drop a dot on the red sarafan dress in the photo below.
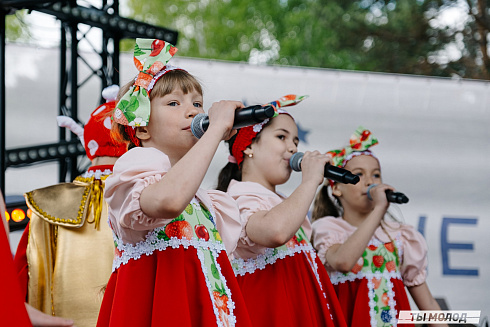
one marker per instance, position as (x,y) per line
(169,272)
(373,292)
(284,286)
(12,308)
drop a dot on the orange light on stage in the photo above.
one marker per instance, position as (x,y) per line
(7,215)
(29,213)
(18,215)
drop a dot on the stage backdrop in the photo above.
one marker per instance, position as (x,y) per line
(433,143)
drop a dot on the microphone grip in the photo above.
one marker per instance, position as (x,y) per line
(396,197)
(393,197)
(340,175)
(334,173)
(252,115)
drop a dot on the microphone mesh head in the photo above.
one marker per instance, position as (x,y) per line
(295,161)
(196,126)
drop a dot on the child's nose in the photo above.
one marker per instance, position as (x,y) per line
(192,111)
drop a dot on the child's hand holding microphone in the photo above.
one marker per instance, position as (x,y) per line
(391,195)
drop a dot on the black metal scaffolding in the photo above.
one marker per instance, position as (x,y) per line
(114,28)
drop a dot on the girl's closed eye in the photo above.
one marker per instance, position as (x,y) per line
(281,137)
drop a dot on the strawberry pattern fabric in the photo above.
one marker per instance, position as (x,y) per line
(169,271)
(150,58)
(360,141)
(379,265)
(195,227)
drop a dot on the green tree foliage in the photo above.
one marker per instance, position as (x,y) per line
(15,27)
(398,36)
(469,39)
(387,36)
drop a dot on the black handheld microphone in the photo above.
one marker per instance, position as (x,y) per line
(243,117)
(334,173)
(395,197)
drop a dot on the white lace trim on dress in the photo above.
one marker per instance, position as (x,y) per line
(153,243)
(242,267)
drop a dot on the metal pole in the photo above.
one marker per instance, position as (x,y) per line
(74,90)
(115,55)
(104,71)
(3,109)
(62,98)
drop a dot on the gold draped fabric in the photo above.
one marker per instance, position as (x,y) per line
(70,250)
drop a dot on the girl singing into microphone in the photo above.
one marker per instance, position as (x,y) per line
(171,267)
(370,260)
(283,282)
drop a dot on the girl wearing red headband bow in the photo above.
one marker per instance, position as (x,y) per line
(281,278)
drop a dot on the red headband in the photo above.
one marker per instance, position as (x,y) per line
(243,139)
(245,135)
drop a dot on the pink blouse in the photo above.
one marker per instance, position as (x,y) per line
(251,198)
(328,231)
(140,167)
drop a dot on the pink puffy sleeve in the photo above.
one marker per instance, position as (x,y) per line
(414,262)
(250,204)
(328,231)
(133,172)
(228,219)
(251,198)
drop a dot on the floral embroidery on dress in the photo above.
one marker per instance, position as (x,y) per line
(378,264)
(196,228)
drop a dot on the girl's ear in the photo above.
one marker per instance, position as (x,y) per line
(248,151)
(142,133)
(336,191)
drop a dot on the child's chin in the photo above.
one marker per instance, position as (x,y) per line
(284,179)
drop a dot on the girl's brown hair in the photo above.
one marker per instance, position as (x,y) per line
(165,85)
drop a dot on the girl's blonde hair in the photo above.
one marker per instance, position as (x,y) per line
(173,79)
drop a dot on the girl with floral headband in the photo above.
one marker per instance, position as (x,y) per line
(281,278)
(370,260)
(171,266)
